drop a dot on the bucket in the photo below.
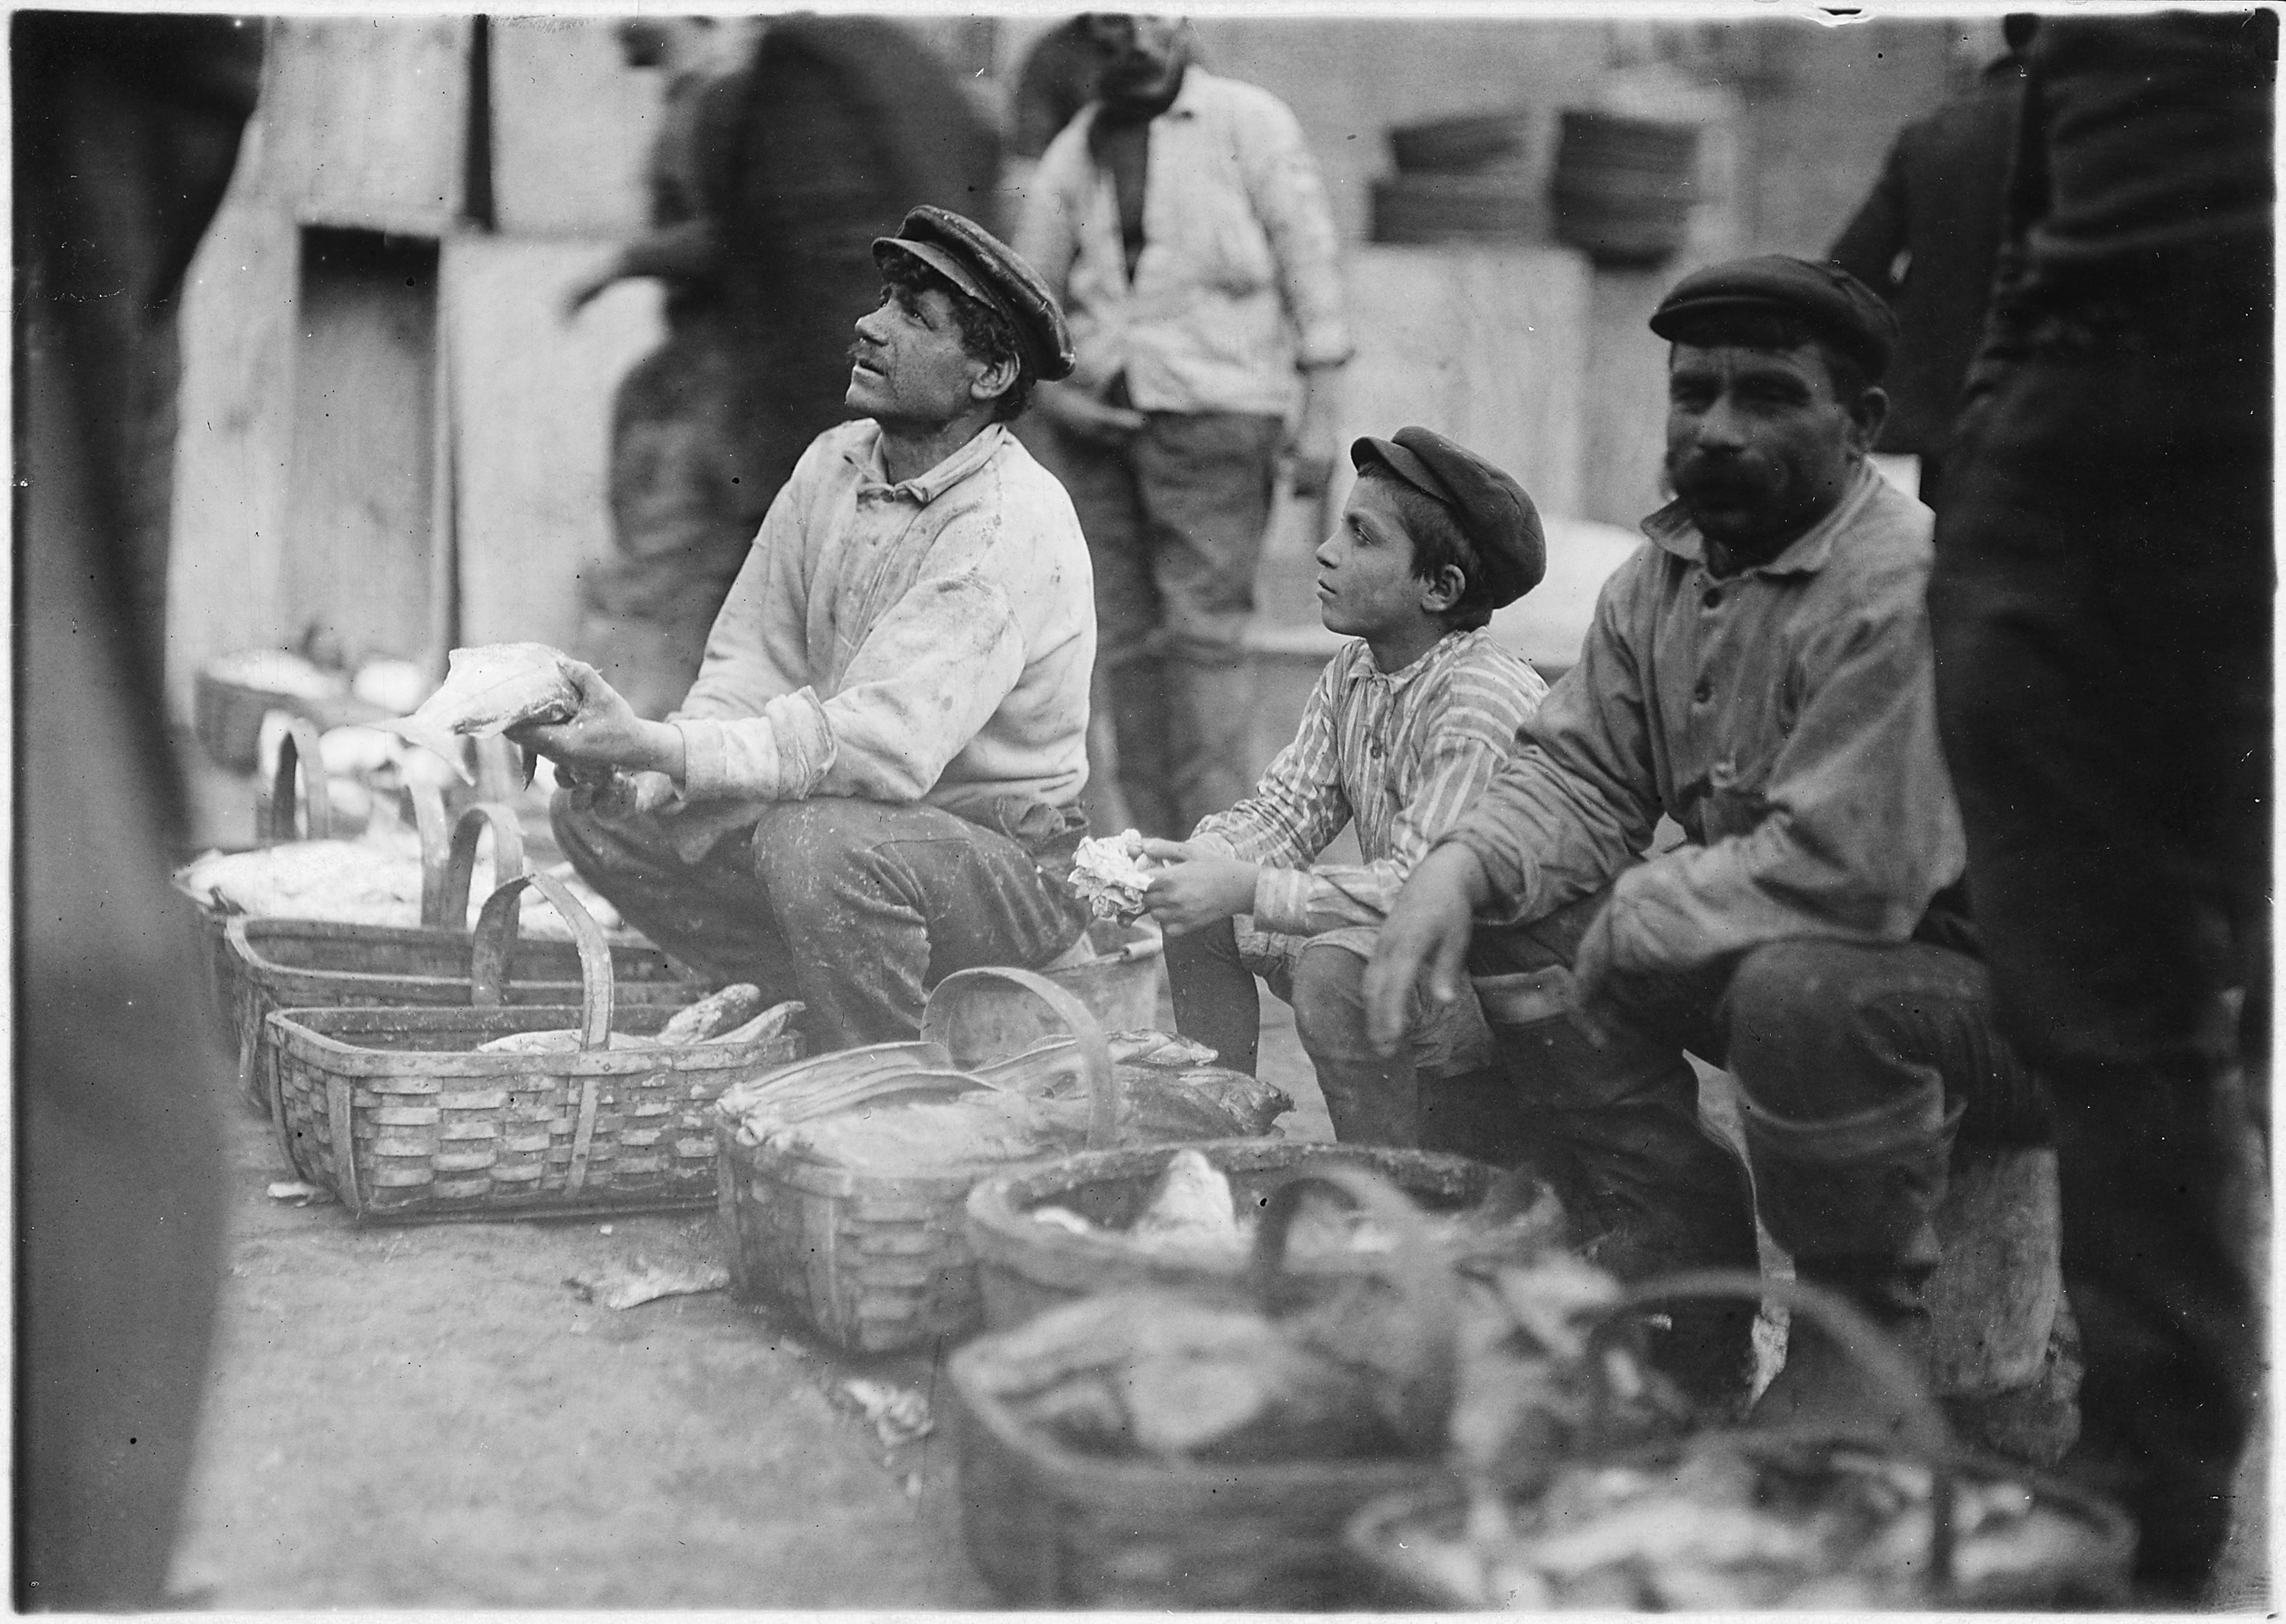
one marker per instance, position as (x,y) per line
(1120,986)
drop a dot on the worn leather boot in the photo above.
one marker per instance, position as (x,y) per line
(1823,1387)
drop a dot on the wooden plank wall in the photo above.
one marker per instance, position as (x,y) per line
(555,174)
(368,117)
(531,401)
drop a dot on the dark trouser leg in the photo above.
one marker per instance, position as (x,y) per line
(1130,676)
(713,914)
(1616,1130)
(1854,1063)
(1370,1097)
(1205,481)
(1216,1001)
(2101,613)
(880,903)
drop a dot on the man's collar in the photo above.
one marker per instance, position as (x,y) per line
(1671,529)
(1186,104)
(924,488)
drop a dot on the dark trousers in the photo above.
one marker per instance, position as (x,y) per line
(2102,611)
(1174,520)
(855,907)
(1856,1065)
(1372,1099)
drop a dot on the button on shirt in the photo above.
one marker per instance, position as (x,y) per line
(1239,281)
(926,640)
(1403,753)
(1784,717)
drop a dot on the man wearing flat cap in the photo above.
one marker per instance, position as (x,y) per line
(1759,673)
(1403,730)
(875,779)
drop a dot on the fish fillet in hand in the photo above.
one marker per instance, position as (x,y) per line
(490,690)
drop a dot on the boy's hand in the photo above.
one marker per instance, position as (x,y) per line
(1197,887)
(1423,944)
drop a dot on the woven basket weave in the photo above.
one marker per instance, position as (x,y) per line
(1049,1525)
(876,1261)
(1027,1267)
(323,964)
(1396,1537)
(392,1109)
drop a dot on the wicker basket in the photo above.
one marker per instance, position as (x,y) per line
(393,1110)
(1026,1266)
(1049,1525)
(1397,1537)
(323,964)
(226,716)
(274,824)
(878,1262)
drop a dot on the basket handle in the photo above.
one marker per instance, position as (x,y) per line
(446,877)
(488,955)
(1094,1049)
(1414,1267)
(273,803)
(1926,1436)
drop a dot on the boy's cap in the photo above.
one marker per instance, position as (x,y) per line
(1494,512)
(991,273)
(1838,307)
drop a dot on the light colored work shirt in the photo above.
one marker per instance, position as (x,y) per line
(1239,282)
(926,640)
(1402,752)
(1784,717)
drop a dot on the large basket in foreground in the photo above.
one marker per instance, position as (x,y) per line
(878,1261)
(1025,1266)
(393,1110)
(324,964)
(1417,1542)
(1050,1525)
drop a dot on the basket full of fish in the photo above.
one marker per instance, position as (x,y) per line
(843,1176)
(1740,1520)
(326,964)
(1170,1445)
(1185,1218)
(494,1110)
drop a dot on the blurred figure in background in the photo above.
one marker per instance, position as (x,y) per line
(126,130)
(1058,76)
(775,173)
(1926,241)
(1182,222)
(2101,608)
(684,496)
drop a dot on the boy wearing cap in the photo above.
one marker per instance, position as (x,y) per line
(874,780)
(1404,729)
(1759,671)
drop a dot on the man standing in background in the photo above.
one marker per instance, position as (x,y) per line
(1926,241)
(1181,221)
(2102,609)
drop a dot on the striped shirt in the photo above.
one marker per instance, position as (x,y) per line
(1401,752)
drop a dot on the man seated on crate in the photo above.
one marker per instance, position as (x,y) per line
(1404,729)
(875,779)
(1760,673)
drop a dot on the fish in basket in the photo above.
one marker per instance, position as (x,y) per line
(843,1177)
(1737,1519)
(330,963)
(1102,1220)
(493,1111)
(1162,1446)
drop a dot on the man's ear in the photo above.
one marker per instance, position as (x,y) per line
(1867,416)
(1441,592)
(998,378)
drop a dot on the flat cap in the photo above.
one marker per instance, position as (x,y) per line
(1494,512)
(1838,307)
(991,273)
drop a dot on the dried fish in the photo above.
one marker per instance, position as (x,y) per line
(717,1012)
(488,690)
(1111,875)
(1190,1206)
